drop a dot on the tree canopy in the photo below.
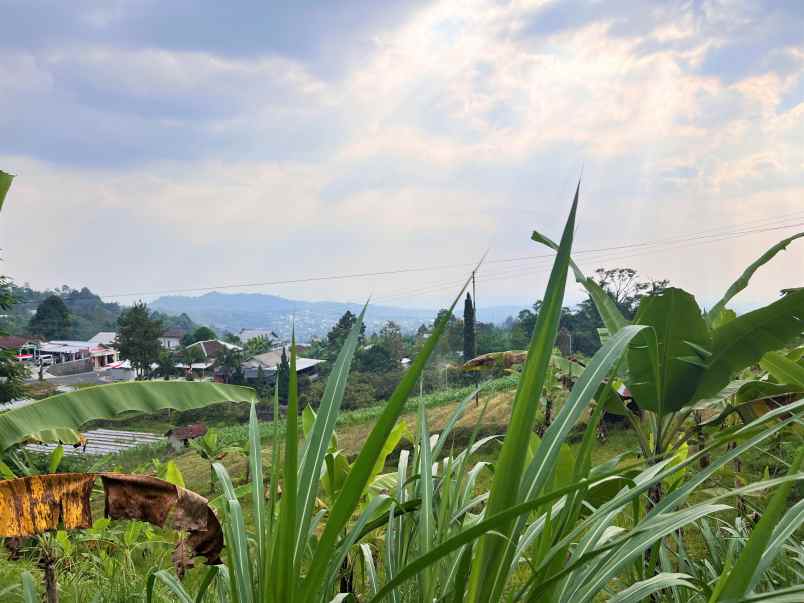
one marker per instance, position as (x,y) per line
(52,319)
(138,334)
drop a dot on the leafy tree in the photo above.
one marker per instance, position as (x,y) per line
(12,372)
(166,364)
(52,319)
(469,344)
(625,288)
(375,359)
(258,345)
(138,336)
(337,334)
(230,337)
(230,361)
(261,383)
(283,375)
(200,334)
(391,339)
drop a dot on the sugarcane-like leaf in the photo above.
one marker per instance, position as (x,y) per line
(321,432)
(510,467)
(5,184)
(735,584)
(741,283)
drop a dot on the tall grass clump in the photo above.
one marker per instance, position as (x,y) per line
(550,527)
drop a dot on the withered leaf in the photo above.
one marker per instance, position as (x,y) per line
(33,505)
(151,499)
(37,504)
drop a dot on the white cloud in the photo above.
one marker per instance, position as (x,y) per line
(456,130)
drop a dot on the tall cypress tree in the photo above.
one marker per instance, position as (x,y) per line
(469,346)
(283,375)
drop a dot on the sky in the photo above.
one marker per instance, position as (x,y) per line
(189,145)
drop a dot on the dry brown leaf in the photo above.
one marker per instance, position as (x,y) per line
(39,503)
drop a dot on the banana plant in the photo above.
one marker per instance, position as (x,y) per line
(689,357)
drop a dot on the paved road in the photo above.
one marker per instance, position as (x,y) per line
(90,377)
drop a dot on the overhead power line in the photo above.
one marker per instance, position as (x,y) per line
(715,234)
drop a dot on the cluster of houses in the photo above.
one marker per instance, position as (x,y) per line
(99,354)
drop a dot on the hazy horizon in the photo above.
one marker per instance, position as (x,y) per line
(187,146)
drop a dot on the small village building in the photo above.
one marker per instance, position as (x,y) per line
(171,338)
(269,362)
(64,351)
(212,348)
(179,437)
(25,349)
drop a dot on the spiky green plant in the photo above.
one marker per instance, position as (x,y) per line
(550,528)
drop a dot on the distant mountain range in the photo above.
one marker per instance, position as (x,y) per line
(236,311)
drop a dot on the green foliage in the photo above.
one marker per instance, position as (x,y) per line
(199,334)
(52,319)
(70,411)
(744,340)
(138,336)
(12,372)
(667,382)
(5,185)
(283,377)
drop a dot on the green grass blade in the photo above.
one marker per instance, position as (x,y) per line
(470,535)
(257,496)
(642,591)
(5,184)
(609,312)
(542,467)
(737,582)
(316,446)
(284,575)
(355,532)
(370,570)
(453,420)
(357,480)
(172,582)
(209,578)
(742,282)
(787,526)
(426,528)
(29,594)
(511,464)
(238,538)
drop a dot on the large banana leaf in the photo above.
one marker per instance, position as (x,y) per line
(608,310)
(5,184)
(783,369)
(744,340)
(677,322)
(742,282)
(72,410)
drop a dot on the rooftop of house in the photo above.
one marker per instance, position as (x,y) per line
(211,348)
(12,342)
(187,432)
(270,360)
(174,333)
(104,338)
